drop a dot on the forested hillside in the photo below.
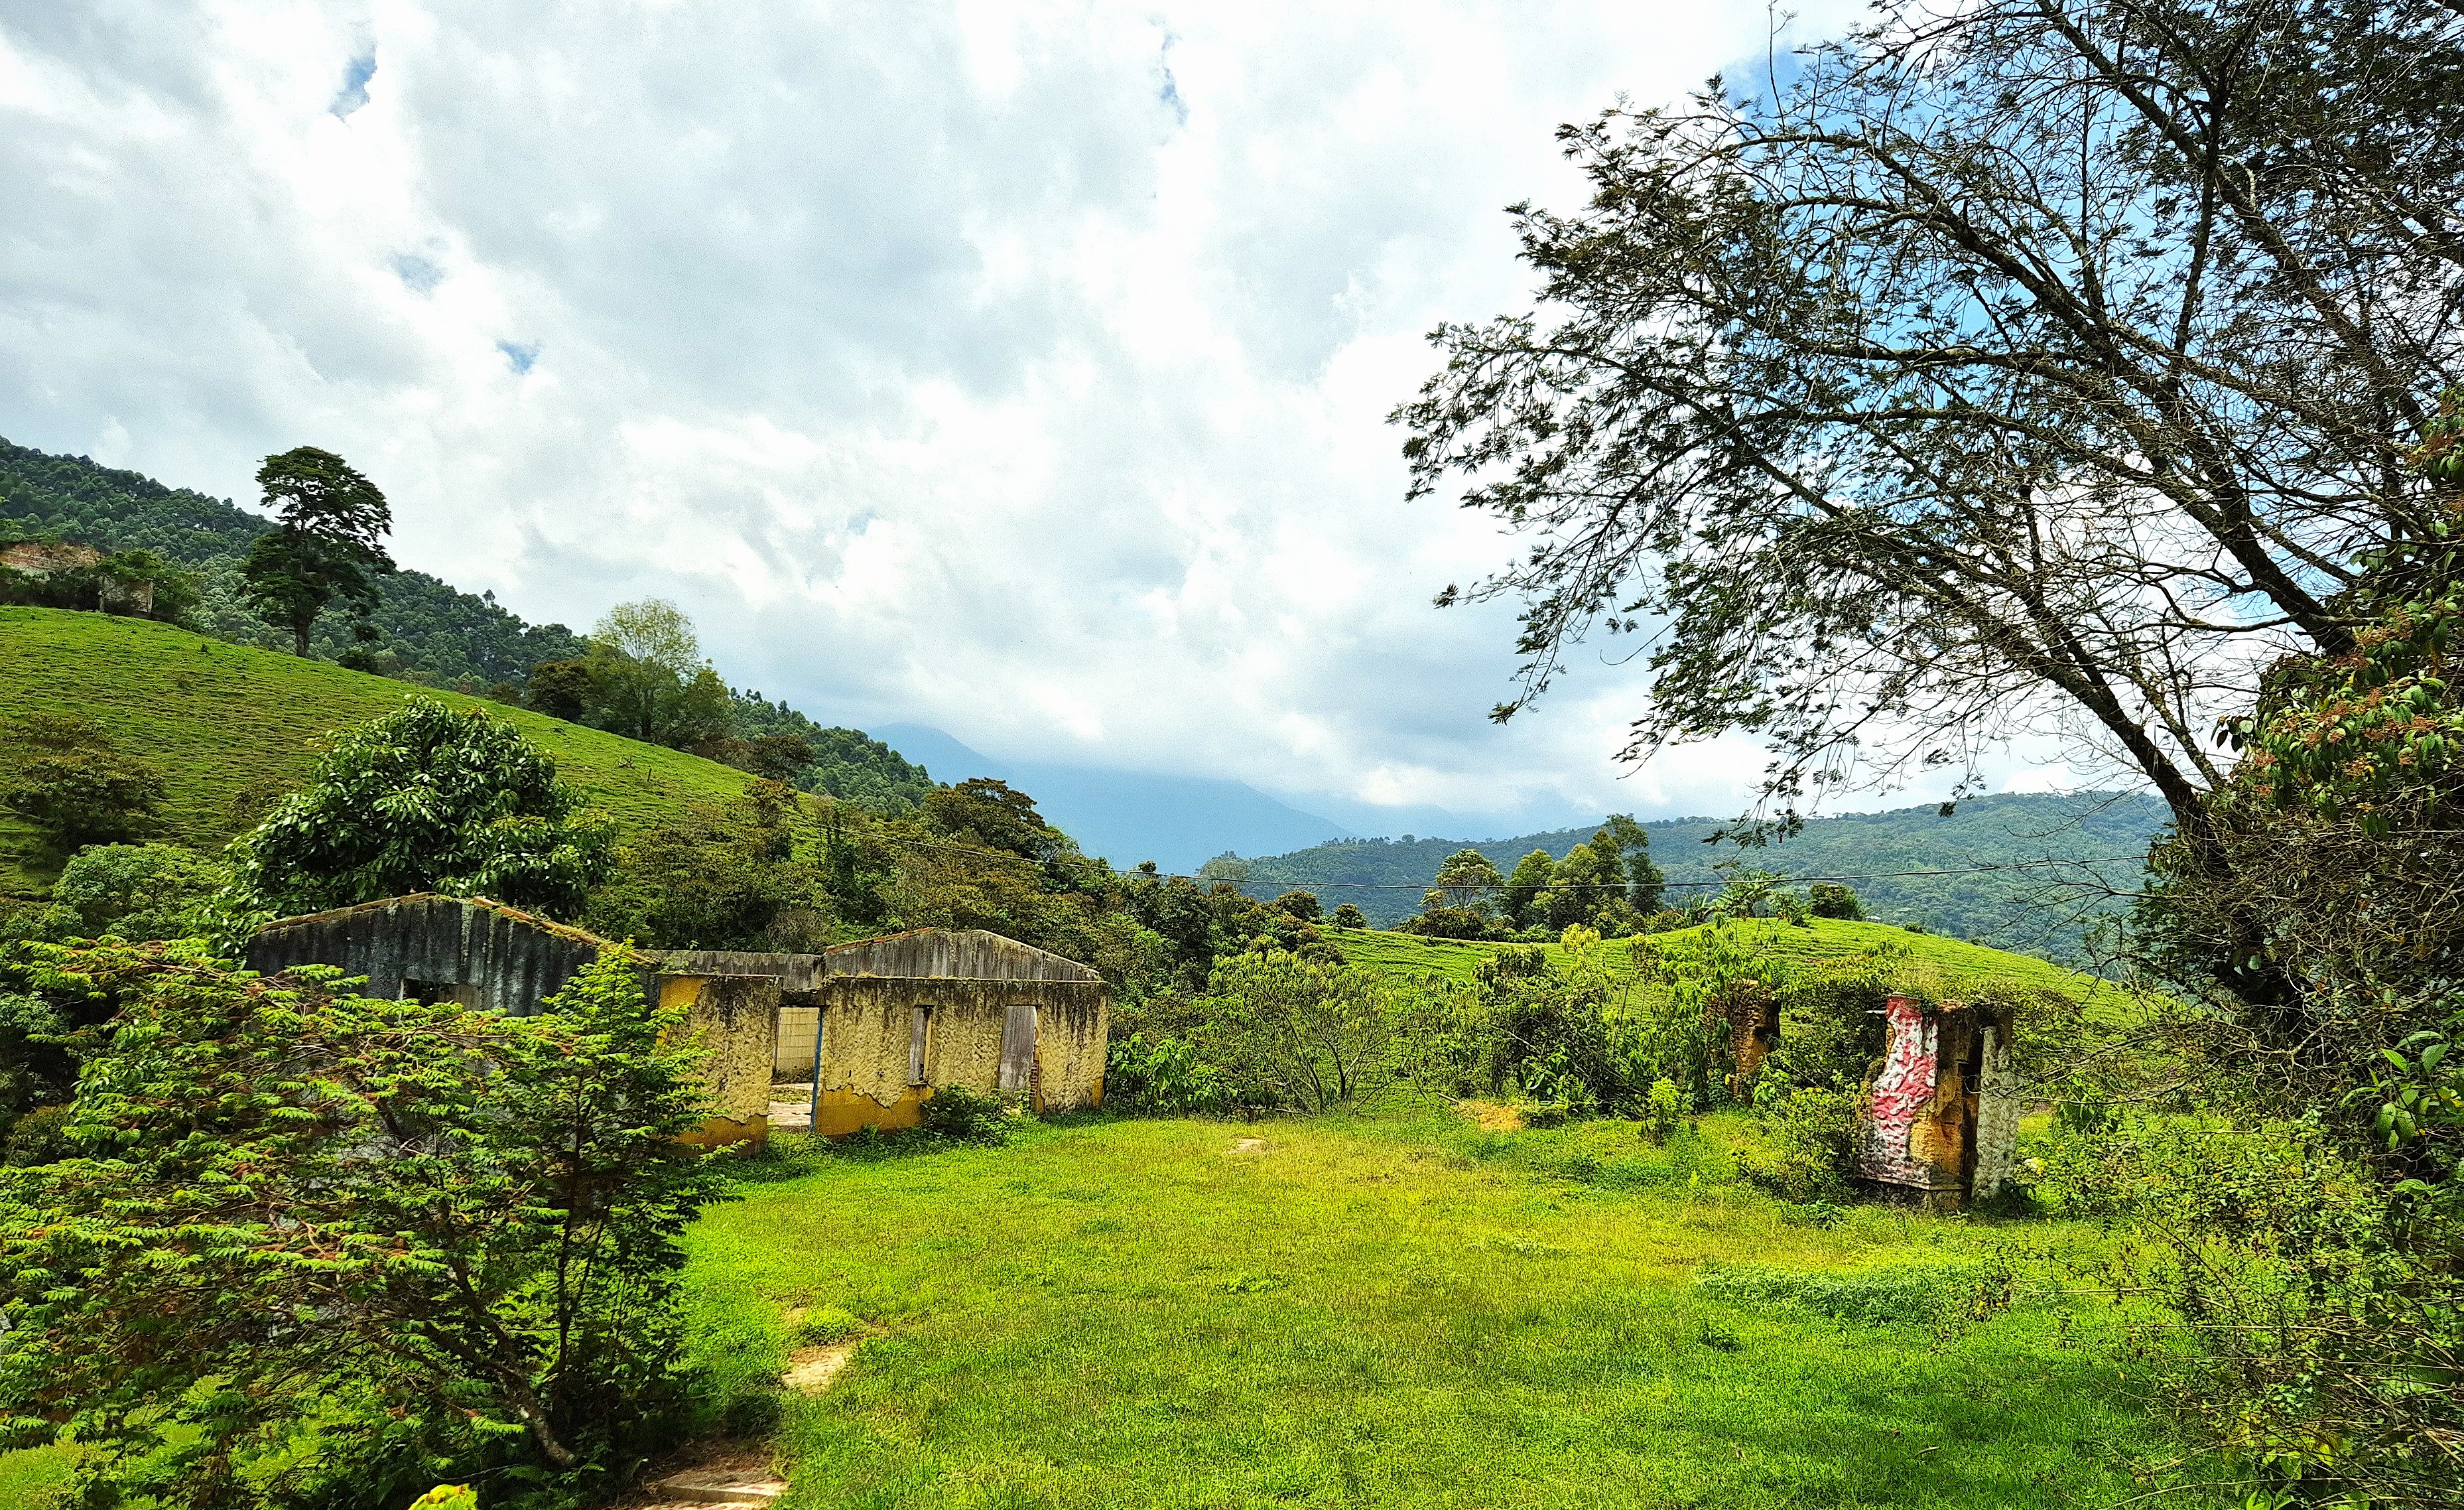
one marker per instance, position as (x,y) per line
(2098,839)
(429,628)
(431,632)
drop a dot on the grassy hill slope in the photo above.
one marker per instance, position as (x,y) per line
(218,720)
(1956,963)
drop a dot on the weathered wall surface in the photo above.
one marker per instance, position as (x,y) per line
(514,961)
(1070,1045)
(1997,1116)
(866,1033)
(1942,1116)
(732,1017)
(966,954)
(794,972)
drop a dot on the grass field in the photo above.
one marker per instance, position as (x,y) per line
(217,719)
(1139,1314)
(1954,963)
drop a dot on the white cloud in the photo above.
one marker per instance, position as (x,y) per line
(1020,369)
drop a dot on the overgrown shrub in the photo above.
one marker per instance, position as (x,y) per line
(959,1115)
(439,1243)
(63,775)
(1834,899)
(40,1137)
(141,891)
(1803,1152)
(1160,1075)
(424,798)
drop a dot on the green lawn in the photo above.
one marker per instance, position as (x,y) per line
(1956,963)
(215,718)
(1135,1314)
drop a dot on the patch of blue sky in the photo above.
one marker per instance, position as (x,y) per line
(522,356)
(417,274)
(354,92)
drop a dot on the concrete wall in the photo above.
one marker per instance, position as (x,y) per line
(1942,1116)
(508,960)
(966,954)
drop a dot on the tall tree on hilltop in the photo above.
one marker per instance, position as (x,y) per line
(330,546)
(649,680)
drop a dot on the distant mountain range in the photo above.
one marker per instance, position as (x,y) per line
(2001,891)
(1178,822)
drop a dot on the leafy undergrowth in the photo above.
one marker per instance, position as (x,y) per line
(1403,1312)
(217,720)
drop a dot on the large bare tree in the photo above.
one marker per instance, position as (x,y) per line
(2038,364)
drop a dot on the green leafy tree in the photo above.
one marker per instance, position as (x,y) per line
(142,890)
(1467,880)
(724,877)
(330,546)
(424,798)
(649,680)
(1834,899)
(1285,1032)
(1520,899)
(445,1241)
(1644,885)
(994,815)
(560,689)
(63,775)
(1586,880)
(1302,905)
(1348,915)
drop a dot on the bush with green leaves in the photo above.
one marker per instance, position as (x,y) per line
(141,891)
(317,1249)
(425,798)
(959,1115)
(1834,899)
(726,876)
(63,775)
(1161,1075)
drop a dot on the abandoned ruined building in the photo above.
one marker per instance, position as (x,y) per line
(885,1022)
(1941,1118)
(83,566)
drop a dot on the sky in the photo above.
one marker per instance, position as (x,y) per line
(1016,369)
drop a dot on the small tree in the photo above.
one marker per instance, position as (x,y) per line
(141,891)
(1286,1031)
(330,544)
(1348,915)
(560,689)
(443,1240)
(1303,905)
(425,798)
(63,776)
(1532,875)
(725,877)
(1465,882)
(1834,899)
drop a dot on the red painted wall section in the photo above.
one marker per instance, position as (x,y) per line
(1901,1094)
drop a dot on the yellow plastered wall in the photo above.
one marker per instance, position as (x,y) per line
(732,1017)
(866,1029)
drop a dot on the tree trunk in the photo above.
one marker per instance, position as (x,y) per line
(299,640)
